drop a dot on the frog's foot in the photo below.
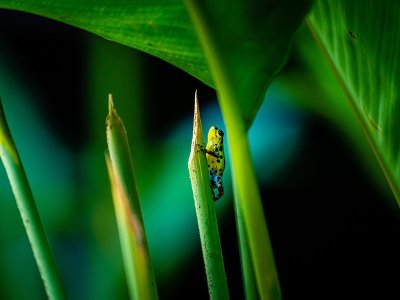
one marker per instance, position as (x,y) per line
(220,193)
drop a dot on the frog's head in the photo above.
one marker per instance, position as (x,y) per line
(216,135)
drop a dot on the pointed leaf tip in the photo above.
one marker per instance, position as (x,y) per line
(197,120)
(197,137)
(110,104)
(196,110)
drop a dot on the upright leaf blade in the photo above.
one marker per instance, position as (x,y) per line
(362,40)
(140,277)
(29,213)
(205,211)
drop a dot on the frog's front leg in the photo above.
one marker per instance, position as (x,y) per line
(201,148)
(214,153)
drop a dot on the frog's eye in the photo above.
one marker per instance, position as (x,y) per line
(221,133)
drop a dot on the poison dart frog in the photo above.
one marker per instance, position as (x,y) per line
(215,159)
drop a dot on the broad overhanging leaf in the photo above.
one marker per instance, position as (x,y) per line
(255,35)
(362,40)
(161,28)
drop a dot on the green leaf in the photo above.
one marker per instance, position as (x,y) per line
(160,28)
(205,211)
(362,41)
(138,268)
(29,212)
(312,69)
(255,35)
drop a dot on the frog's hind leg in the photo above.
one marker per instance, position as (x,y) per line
(216,182)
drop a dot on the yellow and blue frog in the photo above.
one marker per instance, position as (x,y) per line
(215,159)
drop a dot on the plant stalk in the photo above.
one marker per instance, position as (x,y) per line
(205,211)
(29,212)
(135,252)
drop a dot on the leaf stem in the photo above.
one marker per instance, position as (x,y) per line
(29,212)
(206,216)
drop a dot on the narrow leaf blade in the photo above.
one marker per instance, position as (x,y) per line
(29,212)
(206,215)
(140,277)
